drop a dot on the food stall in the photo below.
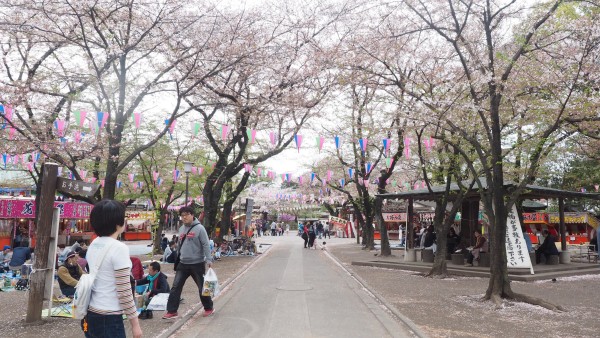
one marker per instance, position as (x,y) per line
(17,217)
(579,226)
(139,225)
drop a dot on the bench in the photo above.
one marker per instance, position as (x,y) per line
(552,259)
(458,259)
(427,256)
(484,259)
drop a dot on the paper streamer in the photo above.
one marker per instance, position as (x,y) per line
(337,142)
(298,139)
(320,142)
(363,144)
(77,136)
(251,135)
(224,131)
(137,120)
(195,129)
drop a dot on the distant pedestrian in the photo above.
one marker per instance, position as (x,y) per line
(287,229)
(320,229)
(326,232)
(312,234)
(194,259)
(305,235)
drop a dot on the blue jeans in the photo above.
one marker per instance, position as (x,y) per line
(104,326)
(196,271)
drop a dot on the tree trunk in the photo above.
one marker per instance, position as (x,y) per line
(370,243)
(110,180)
(441,226)
(226,218)
(386,250)
(499,285)
(158,230)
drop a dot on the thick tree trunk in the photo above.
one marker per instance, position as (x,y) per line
(386,250)
(439,268)
(226,219)
(499,285)
(370,243)
(110,180)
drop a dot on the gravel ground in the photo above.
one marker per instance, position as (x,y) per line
(14,306)
(452,307)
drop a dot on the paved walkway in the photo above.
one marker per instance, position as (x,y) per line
(296,292)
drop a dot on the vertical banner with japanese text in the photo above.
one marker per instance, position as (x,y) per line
(517,255)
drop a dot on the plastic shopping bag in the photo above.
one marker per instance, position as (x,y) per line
(211,284)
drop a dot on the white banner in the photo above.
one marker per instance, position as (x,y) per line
(517,255)
(394,216)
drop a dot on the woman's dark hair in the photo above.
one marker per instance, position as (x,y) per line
(82,253)
(106,216)
(155,266)
(62,246)
(189,210)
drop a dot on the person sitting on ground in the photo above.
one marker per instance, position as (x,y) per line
(164,242)
(81,260)
(69,274)
(5,257)
(480,246)
(20,256)
(156,282)
(137,270)
(170,253)
(548,248)
(61,254)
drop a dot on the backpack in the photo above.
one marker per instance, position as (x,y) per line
(83,289)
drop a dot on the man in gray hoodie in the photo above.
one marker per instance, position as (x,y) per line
(194,259)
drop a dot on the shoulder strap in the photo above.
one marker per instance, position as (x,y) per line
(94,269)
(183,240)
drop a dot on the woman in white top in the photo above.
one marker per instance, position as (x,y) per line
(111,292)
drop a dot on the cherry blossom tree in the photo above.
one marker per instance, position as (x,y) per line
(508,69)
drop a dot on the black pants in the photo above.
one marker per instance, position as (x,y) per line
(311,240)
(305,238)
(196,271)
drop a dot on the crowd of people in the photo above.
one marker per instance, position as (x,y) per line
(311,230)
(263,228)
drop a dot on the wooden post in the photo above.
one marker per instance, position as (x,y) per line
(43,233)
(562,228)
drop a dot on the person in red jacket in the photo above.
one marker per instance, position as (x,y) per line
(137,270)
